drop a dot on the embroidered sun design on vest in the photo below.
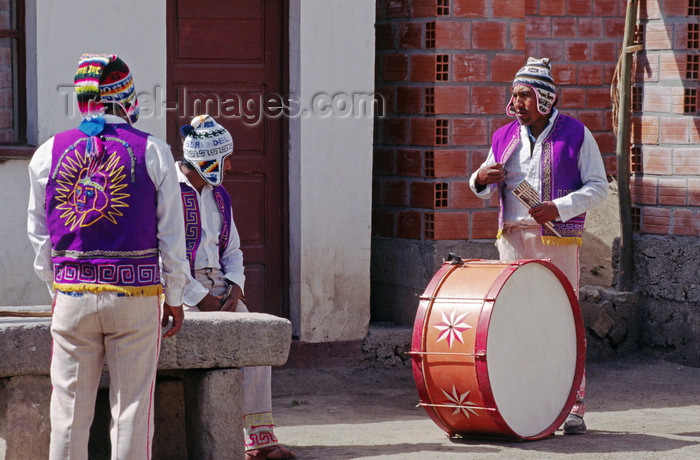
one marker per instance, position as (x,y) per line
(87,193)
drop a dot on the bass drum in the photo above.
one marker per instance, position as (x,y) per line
(498,348)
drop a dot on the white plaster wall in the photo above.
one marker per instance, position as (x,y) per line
(132,29)
(332,53)
(330,156)
(19,285)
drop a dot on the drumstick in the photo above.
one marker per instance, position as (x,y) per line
(529,197)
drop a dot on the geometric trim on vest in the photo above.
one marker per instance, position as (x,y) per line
(193,224)
(508,138)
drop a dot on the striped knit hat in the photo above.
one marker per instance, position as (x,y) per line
(206,146)
(104,78)
(537,74)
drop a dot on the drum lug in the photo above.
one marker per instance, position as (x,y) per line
(454,259)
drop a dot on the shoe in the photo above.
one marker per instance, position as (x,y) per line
(270,453)
(574,425)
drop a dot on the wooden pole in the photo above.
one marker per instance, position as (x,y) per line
(623,150)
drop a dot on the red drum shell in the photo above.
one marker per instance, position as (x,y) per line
(498,349)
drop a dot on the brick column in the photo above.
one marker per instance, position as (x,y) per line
(666,125)
(665,182)
(445,68)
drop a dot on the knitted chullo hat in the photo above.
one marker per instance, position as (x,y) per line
(206,146)
(537,74)
(105,78)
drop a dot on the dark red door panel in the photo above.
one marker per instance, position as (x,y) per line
(225,58)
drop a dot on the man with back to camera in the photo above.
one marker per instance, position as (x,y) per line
(558,156)
(103,205)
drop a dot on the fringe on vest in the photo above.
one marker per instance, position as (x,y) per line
(554,240)
(563,241)
(155,290)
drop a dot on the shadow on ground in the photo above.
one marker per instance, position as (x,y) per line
(638,407)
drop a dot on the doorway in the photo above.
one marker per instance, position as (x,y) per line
(229,59)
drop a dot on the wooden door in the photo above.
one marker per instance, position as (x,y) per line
(228,59)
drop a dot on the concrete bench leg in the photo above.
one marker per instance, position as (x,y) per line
(25,424)
(214,418)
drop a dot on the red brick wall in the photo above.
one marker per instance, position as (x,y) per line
(665,155)
(445,68)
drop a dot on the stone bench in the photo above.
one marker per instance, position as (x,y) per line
(198,410)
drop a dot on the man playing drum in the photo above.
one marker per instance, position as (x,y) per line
(559,158)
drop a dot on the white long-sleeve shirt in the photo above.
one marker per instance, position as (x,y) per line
(207,255)
(525,166)
(171,236)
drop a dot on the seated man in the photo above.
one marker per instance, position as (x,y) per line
(216,261)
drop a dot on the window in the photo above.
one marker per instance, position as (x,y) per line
(442,67)
(442,131)
(429,225)
(692,67)
(690,101)
(694,8)
(430,35)
(441,195)
(693,36)
(443,7)
(12,73)
(429,101)
(636,159)
(429,164)
(636,99)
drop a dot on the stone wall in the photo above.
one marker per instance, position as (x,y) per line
(612,322)
(402,268)
(665,273)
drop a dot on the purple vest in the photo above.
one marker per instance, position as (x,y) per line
(193,224)
(559,170)
(101,214)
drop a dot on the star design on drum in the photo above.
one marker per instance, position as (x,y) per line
(461,401)
(451,327)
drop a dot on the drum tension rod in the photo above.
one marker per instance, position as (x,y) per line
(460,299)
(478,355)
(455,406)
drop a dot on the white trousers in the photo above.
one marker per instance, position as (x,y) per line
(256,381)
(525,243)
(88,328)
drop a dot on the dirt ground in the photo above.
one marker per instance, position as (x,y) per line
(637,408)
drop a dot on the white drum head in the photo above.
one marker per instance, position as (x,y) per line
(531,349)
